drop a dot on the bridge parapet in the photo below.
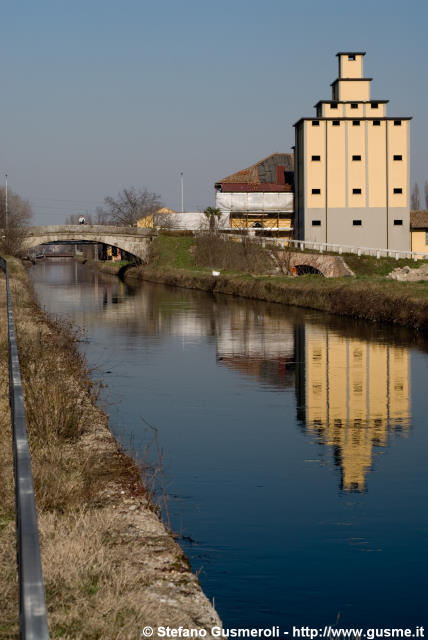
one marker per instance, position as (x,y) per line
(134,240)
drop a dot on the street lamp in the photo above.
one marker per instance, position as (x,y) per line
(5,200)
(182,191)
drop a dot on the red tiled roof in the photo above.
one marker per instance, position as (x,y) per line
(254,173)
(419,219)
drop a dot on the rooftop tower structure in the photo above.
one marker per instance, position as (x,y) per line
(352,167)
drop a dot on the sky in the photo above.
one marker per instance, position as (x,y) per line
(99,95)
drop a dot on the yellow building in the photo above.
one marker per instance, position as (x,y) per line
(155,219)
(352,181)
(353,394)
(419,230)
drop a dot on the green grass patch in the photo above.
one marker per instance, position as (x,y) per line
(173,251)
(371,266)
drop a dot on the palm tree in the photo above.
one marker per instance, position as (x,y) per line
(212,215)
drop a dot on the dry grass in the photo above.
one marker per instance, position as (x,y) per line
(372,299)
(110,566)
(221,252)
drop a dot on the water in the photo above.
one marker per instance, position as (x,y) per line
(294,444)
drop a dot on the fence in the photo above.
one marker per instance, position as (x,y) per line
(32,605)
(321,247)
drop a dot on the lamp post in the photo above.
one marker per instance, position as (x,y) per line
(5,200)
(182,191)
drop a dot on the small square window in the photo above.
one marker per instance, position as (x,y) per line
(316,158)
(357,223)
(356,157)
(398,157)
(351,57)
(376,123)
(355,123)
(398,223)
(315,123)
(397,123)
(336,123)
(316,191)
(398,190)
(333,105)
(316,223)
(354,105)
(356,191)
(375,105)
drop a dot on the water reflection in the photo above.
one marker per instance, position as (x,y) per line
(278,427)
(352,393)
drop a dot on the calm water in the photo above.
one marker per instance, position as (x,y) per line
(294,444)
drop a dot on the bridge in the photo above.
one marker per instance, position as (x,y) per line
(131,239)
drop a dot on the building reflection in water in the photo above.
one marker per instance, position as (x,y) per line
(351,393)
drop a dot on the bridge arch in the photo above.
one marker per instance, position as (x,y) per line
(306,269)
(133,240)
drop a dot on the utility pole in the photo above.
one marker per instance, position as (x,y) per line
(5,200)
(182,191)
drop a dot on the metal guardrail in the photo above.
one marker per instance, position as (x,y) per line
(32,605)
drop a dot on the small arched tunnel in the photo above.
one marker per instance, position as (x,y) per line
(306,269)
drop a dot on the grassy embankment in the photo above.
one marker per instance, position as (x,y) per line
(110,565)
(178,261)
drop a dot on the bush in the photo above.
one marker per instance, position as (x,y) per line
(221,252)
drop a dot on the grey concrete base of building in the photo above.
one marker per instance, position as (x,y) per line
(359,227)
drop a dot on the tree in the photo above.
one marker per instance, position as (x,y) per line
(131,205)
(13,220)
(212,215)
(426,193)
(415,203)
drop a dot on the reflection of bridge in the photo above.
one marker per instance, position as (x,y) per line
(131,239)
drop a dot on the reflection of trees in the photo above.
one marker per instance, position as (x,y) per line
(352,390)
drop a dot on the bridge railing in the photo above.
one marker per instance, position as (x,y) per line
(32,604)
(321,247)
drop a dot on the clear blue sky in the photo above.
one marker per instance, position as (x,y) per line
(100,95)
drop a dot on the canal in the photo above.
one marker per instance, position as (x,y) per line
(294,444)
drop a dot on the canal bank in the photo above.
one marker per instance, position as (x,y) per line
(374,300)
(110,565)
(251,271)
(293,443)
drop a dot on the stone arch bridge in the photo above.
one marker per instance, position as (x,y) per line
(134,240)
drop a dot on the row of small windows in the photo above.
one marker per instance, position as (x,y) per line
(356,158)
(355,123)
(354,105)
(357,190)
(359,223)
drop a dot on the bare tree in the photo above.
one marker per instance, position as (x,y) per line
(415,202)
(101,216)
(14,217)
(131,205)
(426,193)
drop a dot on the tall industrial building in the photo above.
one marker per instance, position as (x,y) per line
(352,167)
